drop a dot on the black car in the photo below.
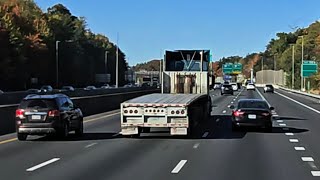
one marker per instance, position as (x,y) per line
(226,89)
(268,88)
(252,112)
(48,114)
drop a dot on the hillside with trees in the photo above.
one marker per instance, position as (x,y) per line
(28,39)
(278,54)
(153,65)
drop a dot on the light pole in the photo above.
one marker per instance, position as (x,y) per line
(292,78)
(117,63)
(57,61)
(262,70)
(274,69)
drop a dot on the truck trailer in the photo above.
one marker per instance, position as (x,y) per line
(184,100)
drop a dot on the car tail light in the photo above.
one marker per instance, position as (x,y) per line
(54,113)
(238,113)
(265,114)
(20,113)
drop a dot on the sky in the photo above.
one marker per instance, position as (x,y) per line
(226,27)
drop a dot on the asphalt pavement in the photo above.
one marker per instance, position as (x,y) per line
(290,151)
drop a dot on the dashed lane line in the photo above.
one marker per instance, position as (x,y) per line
(307,159)
(282,124)
(315,173)
(43,164)
(205,134)
(179,167)
(89,145)
(289,134)
(293,140)
(299,148)
(196,145)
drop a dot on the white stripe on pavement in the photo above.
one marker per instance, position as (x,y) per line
(43,164)
(179,167)
(299,148)
(289,134)
(279,121)
(196,146)
(282,124)
(307,159)
(293,140)
(205,134)
(89,145)
(315,173)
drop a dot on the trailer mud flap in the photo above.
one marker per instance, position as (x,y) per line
(129,130)
(178,131)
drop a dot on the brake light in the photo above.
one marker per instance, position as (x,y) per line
(54,113)
(238,113)
(265,114)
(20,113)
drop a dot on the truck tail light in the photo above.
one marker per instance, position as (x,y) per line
(182,112)
(130,111)
(125,111)
(54,113)
(172,112)
(136,111)
(20,113)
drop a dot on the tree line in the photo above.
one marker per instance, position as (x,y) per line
(28,39)
(278,55)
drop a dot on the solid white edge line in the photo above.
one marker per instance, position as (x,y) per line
(308,107)
(289,134)
(299,148)
(307,159)
(179,166)
(43,164)
(205,134)
(293,140)
(315,173)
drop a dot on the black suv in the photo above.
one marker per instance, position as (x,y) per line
(47,114)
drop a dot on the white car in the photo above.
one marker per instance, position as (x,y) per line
(234,87)
(251,86)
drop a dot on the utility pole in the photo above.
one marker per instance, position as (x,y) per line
(57,61)
(302,55)
(274,69)
(106,61)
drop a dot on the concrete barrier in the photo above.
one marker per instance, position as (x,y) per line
(90,104)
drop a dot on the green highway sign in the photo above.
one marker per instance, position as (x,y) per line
(308,68)
(237,68)
(227,68)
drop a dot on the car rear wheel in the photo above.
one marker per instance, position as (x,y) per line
(64,131)
(22,137)
(79,131)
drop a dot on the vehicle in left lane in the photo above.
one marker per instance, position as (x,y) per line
(252,112)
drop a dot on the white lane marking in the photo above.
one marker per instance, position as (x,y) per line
(179,167)
(289,134)
(299,148)
(234,99)
(229,106)
(315,173)
(205,134)
(89,145)
(263,97)
(285,129)
(308,107)
(282,124)
(196,146)
(275,115)
(307,159)
(218,120)
(293,140)
(43,164)
(231,102)
(279,121)
(224,111)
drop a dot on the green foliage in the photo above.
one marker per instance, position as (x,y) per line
(28,37)
(153,65)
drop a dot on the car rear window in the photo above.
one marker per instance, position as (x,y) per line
(38,104)
(253,104)
(270,86)
(226,85)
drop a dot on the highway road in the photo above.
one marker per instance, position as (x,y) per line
(291,151)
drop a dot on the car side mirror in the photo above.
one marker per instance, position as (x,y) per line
(232,107)
(271,108)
